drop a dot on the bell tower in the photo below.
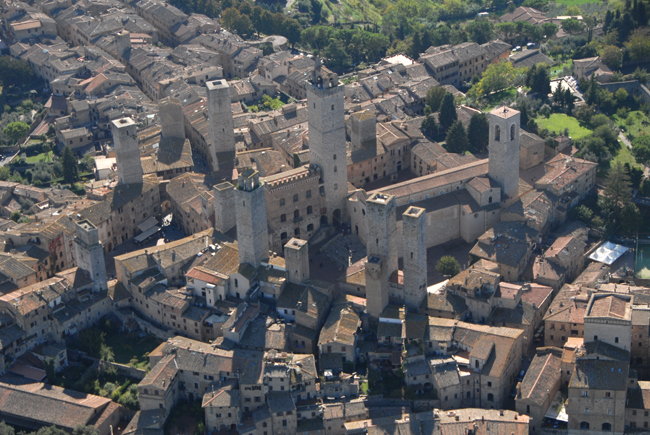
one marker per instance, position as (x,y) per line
(504,150)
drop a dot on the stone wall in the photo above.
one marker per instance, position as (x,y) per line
(632,87)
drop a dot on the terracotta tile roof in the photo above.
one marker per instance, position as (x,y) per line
(542,376)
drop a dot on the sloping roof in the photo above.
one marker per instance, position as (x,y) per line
(542,376)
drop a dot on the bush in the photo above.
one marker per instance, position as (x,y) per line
(448,266)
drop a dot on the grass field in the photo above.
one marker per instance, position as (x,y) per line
(635,124)
(624,156)
(558,68)
(642,263)
(43,157)
(557,122)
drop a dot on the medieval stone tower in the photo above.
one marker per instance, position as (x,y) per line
(252,228)
(414,229)
(296,256)
(504,150)
(327,147)
(222,127)
(127,152)
(363,130)
(381,245)
(90,254)
(224,204)
(123,41)
(171,119)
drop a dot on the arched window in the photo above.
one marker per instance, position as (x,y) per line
(584,425)
(512,132)
(497,133)
(607,426)
(476,363)
(490,200)
(468,395)
(528,409)
(490,397)
(296,214)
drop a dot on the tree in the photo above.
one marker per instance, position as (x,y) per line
(457,141)
(496,77)
(538,79)
(572,26)
(434,97)
(638,46)
(612,56)
(429,126)
(16,131)
(447,112)
(14,72)
(621,95)
(480,31)
(573,11)
(569,100)
(550,30)
(581,213)
(641,148)
(478,132)
(448,266)
(617,188)
(631,218)
(15,216)
(507,30)
(5,429)
(85,430)
(70,166)
(106,353)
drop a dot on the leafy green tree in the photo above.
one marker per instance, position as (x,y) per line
(631,218)
(507,30)
(572,26)
(538,79)
(14,72)
(429,126)
(448,266)
(480,31)
(478,132)
(617,188)
(581,213)
(16,131)
(236,22)
(5,429)
(106,353)
(70,166)
(496,77)
(641,148)
(638,46)
(51,430)
(457,141)
(612,56)
(447,111)
(85,430)
(550,30)
(435,94)
(15,216)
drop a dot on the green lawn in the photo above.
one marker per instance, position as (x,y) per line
(557,122)
(131,349)
(633,125)
(43,157)
(556,70)
(493,100)
(624,156)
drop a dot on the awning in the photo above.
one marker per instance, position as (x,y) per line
(150,232)
(148,224)
(608,253)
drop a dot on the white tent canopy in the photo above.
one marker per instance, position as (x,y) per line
(608,253)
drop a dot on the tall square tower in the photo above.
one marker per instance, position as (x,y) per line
(296,256)
(327,145)
(89,253)
(252,227)
(381,245)
(127,152)
(504,150)
(222,126)
(414,229)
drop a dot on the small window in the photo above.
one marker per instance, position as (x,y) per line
(281,202)
(295,198)
(283,217)
(308,194)
(497,133)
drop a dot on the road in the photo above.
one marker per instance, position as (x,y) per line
(623,139)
